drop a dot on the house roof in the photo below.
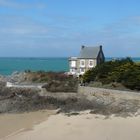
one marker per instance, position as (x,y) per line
(89,52)
(72,58)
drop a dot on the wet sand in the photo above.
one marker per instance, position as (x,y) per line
(83,127)
(11,124)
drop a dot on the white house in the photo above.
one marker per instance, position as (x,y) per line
(88,58)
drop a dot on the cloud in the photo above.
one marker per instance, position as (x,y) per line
(63,36)
(121,38)
(22,5)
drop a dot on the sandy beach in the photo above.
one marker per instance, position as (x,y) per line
(80,127)
(89,114)
(11,124)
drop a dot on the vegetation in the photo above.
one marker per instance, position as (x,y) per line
(59,82)
(61,86)
(42,76)
(123,71)
(56,81)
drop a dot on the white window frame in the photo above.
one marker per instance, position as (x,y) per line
(82,72)
(73,71)
(73,63)
(91,66)
(82,61)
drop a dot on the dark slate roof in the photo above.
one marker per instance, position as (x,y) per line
(89,52)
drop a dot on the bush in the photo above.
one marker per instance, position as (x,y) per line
(69,85)
(131,78)
(123,71)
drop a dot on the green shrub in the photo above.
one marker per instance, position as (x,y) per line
(123,71)
(69,85)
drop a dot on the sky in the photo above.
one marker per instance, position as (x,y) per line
(58,28)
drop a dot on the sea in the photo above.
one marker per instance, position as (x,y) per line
(10,65)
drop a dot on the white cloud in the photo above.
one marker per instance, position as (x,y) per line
(22,5)
(119,39)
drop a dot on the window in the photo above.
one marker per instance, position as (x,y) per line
(82,70)
(73,63)
(82,63)
(72,70)
(90,62)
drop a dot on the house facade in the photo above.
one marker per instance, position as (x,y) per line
(88,58)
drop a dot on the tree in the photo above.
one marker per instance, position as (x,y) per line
(123,71)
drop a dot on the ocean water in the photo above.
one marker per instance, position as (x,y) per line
(10,65)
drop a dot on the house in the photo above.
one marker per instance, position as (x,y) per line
(88,58)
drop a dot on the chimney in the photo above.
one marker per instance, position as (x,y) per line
(82,47)
(101,47)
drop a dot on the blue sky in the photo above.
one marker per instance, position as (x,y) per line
(48,28)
